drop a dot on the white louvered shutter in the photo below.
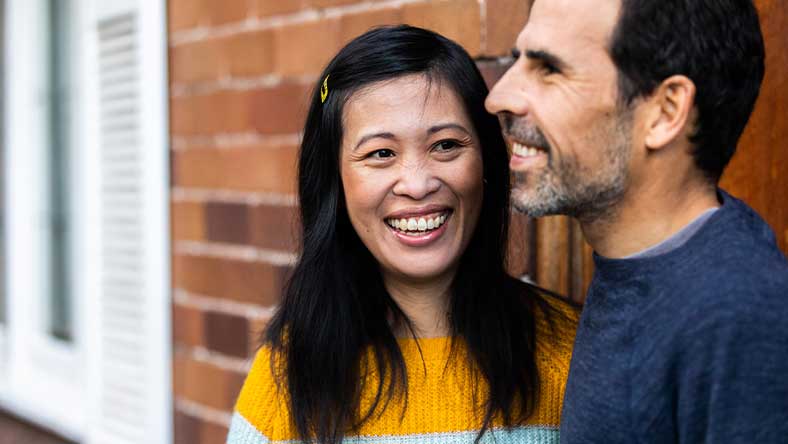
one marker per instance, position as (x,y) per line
(132,393)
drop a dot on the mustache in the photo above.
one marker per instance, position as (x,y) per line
(519,129)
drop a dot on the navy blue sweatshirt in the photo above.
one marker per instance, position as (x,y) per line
(690,346)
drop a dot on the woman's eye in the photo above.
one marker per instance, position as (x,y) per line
(381,154)
(446,145)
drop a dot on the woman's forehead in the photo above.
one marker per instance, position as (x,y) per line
(407,102)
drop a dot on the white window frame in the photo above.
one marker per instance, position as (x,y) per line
(47,381)
(38,366)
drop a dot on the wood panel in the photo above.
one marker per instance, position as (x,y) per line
(758,172)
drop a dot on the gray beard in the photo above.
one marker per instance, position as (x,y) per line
(586,203)
(568,189)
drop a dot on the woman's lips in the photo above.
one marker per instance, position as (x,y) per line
(419,232)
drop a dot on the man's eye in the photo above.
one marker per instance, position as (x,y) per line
(549,68)
(381,154)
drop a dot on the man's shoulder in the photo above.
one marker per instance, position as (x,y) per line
(726,286)
(736,278)
(737,259)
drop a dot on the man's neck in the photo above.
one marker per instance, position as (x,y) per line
(642,220)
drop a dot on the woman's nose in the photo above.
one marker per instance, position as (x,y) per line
(416,181)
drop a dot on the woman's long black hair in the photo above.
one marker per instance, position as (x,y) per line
(336,309)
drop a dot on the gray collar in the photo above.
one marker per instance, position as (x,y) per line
(677,240)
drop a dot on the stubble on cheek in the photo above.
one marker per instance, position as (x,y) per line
(566,187)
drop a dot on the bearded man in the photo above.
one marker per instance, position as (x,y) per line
(624,114)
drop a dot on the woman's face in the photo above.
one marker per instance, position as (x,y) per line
(411,167)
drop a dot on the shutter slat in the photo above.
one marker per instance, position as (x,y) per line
(123,394)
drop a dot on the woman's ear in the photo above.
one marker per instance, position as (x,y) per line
(670,112)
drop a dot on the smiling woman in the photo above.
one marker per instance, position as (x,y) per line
(399,323)
(413,186)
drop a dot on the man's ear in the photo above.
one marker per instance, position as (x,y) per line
(670,112)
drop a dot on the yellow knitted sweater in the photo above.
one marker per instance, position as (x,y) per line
(440,402)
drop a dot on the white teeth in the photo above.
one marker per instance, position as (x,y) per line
(417,224)
(524,151)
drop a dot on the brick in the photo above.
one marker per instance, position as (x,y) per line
(187,428)
(242,281)
(192,430)
(458,20)
(353,25)
(187,326)
(277,110)
(270,169)
(211,433)
(505,20)
(219,112)
(187,14)
(280,110)
(327,3)
(246,54)
(266,8)
(305,48)
(227,11)
(274,227)
(188,221)
(205,383)
(183,14)
(256,330)
(249,54)
(197,61)
(227,334)
(227,222)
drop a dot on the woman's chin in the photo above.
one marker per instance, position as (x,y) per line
(417,272)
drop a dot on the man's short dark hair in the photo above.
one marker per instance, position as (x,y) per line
(716,43)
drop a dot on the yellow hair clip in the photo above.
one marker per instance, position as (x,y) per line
(324,90)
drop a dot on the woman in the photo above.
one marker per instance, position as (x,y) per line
(399,323)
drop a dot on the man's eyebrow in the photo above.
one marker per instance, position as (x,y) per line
(545,57)
(368,137)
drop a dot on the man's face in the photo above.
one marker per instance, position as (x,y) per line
(559,109)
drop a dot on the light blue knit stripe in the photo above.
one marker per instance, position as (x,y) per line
(243,432)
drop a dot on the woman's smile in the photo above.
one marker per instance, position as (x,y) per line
(419,230)
(413,185)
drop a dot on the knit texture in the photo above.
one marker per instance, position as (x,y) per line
(441,406)
(690,346)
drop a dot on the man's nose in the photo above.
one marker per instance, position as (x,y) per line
(416,181)
(508,95)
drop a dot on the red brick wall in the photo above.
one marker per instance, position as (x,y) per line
(239,74)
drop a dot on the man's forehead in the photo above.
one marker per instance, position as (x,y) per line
(569,22)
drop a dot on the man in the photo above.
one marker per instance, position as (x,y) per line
(623,114)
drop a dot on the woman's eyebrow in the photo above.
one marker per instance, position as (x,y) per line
(441,127)
(368,137)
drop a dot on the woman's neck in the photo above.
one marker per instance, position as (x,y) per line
(425,303)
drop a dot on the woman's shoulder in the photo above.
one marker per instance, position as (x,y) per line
(261,411)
